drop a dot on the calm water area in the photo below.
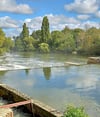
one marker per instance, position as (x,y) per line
(46,78)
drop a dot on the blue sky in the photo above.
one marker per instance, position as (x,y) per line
(61,13)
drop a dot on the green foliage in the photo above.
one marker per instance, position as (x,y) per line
(45,33)
(67,40)
(44,47)
(28,43)
(6,44)
(25,42)
(36,35)
(56,38)
(63,41)
(25,31)
(19,44)
(75,112)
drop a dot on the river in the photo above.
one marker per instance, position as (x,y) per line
(45,78)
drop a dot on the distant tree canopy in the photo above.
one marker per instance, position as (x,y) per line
(6,44)
(67,40)
(24,42)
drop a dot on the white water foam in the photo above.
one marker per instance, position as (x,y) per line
(14,62)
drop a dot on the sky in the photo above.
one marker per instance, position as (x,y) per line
(71,13)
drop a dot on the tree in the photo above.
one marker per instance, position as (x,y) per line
(78,37)
(29,41)
(36,35)
(19,44)
(68,43)
(25,31)
(63,40)
(8,44)
(44,47)
(56,38)
(2,40)
(25,42)
(45,33)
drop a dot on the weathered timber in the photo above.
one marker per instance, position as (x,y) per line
(37,108)
(16,104)
(6,112)
(75,64)
(93,60)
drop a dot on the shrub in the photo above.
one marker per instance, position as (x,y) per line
(72,111)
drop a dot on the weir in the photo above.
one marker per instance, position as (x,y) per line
(37,108)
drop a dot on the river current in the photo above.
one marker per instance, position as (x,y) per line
(46,78)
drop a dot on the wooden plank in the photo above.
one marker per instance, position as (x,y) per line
(72,63)
(16,104)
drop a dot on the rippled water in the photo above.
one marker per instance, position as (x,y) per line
(45,78)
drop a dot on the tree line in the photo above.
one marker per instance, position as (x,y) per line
(6,44)
(67,40)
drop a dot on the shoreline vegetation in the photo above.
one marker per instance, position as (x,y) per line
(74,41)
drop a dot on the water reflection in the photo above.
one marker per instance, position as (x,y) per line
(47,72)
(87,82)
(55,86)
(2,73)
(27,71)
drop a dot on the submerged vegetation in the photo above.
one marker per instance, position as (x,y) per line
(67,40)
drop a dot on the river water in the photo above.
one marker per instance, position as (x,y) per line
(45,78)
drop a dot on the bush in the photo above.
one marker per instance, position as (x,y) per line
(72,111)
(44,47)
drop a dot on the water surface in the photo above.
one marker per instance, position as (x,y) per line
(46,79)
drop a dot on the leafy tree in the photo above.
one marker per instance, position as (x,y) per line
(8,44)
(45,33)
(78,34)
(2,38)
(95,41)
(19,44)
(56,38)
(36,35)
(44,47)
(91,41)
(66,30)
(25,42)
(63,40)
(25,31)
(68,43)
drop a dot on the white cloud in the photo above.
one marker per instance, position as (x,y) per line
(83,17)
(83,6)
(35,23)
(58,22)
(98,14)
(12,6)
(89,24)
(7,22)
(55,21)
(88,82)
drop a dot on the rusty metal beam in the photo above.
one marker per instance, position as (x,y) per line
(16,104)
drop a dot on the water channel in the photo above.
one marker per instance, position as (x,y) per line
(44,77)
